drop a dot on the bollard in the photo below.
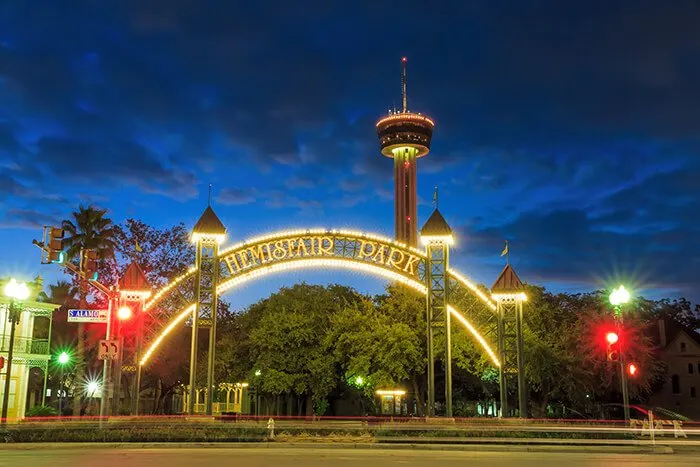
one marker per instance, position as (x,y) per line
(271,429)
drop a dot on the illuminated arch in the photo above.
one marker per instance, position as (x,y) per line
(343,249)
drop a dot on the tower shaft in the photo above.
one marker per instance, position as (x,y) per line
(405,195)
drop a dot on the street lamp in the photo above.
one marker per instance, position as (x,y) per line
(17,292)
(63,360)
(619,297)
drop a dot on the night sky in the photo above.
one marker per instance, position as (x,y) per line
(570,128)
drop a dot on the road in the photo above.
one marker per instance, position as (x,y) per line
(322,457)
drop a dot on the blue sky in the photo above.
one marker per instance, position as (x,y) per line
(569,128)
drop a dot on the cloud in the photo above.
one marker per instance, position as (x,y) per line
(27,219)
(123,161)
(553,129)
(296,181)
(642,236)
(235,196)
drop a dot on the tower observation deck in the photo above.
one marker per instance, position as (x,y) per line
(405,136)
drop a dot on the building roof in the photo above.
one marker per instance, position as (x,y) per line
(209,223)
(508,281)
(436,226)
(134,278)
(672,329)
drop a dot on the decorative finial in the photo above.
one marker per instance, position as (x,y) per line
(209,200)
(435,197)
(403,83)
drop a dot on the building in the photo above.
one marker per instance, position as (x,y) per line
(31,350)
(405,137)
(679,349)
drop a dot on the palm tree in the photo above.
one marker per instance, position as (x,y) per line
(91,230)
(88,230)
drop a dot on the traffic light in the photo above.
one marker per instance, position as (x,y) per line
(2,362)
(89,264)
(124,313)
(613,349)
(55,245)
(632,369)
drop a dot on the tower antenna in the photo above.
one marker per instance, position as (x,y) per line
(403,83)
(209,200)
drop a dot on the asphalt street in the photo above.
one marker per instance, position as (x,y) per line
(316,457)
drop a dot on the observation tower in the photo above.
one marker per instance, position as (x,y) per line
(405,136)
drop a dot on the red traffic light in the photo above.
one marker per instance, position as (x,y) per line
(124,313)
(612,337)
(632,369)
(2,362)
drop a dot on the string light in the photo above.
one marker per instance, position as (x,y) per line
(177,320)
(405,116)
(470,285)
(390,392)
(345,263)
(510,296)
(427,239)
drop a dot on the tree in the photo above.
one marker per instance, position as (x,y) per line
(89,229)
(288,344)
(163,254)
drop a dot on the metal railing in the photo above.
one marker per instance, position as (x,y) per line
(25,345)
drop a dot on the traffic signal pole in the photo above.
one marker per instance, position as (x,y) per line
(106,366)
(623,373)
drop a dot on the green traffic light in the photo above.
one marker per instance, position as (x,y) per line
(63,358)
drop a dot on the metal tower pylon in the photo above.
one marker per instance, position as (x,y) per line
(509,296)
(436,235)
(207,234)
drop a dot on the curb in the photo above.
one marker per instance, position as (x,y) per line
(367,446)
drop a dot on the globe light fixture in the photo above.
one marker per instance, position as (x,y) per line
(619,296)
(17,292)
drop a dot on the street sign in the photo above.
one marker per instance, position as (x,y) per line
(87,316)
(109,349)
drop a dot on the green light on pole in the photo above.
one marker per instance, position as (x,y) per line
(63,358)
(258,372)
(359,381)
(619,296)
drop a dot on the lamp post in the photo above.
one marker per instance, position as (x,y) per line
(619,297)
(63,359)
(17,292)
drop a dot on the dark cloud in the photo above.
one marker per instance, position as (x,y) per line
(235,196)
(27,219)
(122,161)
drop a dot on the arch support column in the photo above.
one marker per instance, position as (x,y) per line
(436,235)
(207,234)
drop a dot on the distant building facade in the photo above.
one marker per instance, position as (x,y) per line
(679,349)
(28,352)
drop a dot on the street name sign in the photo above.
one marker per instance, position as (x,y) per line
(87,316)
